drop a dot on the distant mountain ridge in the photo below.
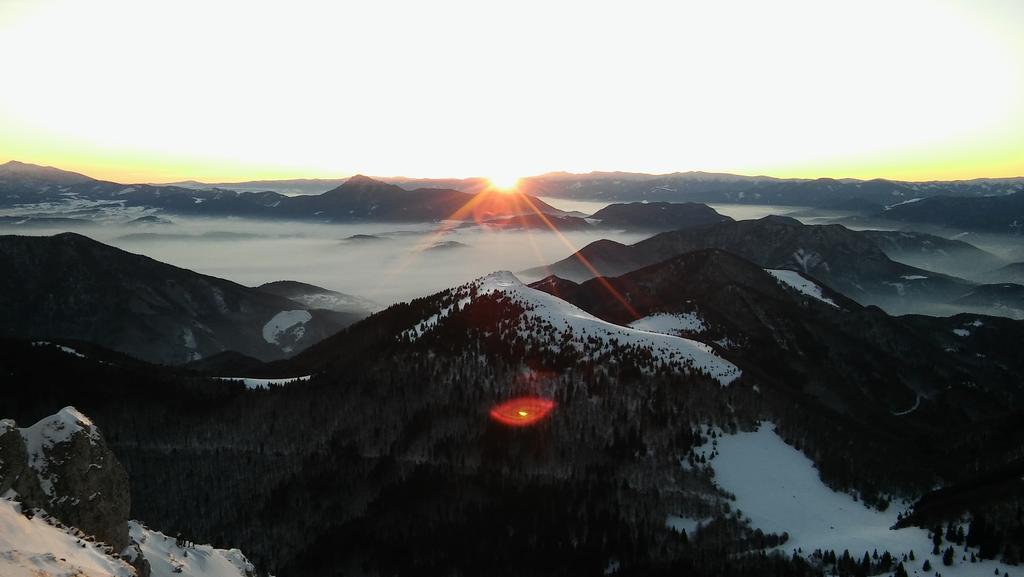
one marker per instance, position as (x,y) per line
(1003,213)
(657,216)
(866,195)
(72,287)
(22,184)
(357,198)
(843,259)
(934,253)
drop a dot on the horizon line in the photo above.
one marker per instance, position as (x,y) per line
(1019,176)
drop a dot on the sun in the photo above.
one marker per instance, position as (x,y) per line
(504,183)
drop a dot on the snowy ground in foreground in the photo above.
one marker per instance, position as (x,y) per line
(36,548)
(166,558)
(778,489)
(33,547)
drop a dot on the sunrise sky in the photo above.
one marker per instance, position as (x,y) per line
(224,90)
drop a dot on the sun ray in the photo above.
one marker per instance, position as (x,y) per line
(605,283)
(476,201)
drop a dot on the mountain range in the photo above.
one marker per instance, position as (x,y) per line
(846,260)
(358,198)
(989,205)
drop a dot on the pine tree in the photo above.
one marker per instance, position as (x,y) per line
(947,557)
(886,563)
(927,566)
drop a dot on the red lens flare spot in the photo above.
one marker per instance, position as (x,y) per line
(522,412)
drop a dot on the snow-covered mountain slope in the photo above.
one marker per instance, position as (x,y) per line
(37,546)
(168,556)
(553,324)
(801,284)
(778,489)
(671,323)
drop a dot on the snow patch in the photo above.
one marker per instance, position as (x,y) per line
(806,260)
(802,285)
(63,348)
(253,383)
(285,322)
(910,201)
(778,489)
(671,324)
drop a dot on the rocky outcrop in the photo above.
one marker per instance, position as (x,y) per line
(15,474)
(61,464)
(60,472)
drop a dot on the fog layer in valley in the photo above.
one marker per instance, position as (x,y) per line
(386,263)
(389,263)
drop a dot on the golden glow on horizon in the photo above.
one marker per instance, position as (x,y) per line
(915,90)
(506,183)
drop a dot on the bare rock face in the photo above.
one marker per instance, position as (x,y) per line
(133,555)
(15,474)
(61,464)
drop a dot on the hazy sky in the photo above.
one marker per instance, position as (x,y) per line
(223,90)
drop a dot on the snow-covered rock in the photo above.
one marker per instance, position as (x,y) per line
(64,511)
(69,471)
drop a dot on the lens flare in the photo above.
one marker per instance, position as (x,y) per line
(522,411)
(504,183)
